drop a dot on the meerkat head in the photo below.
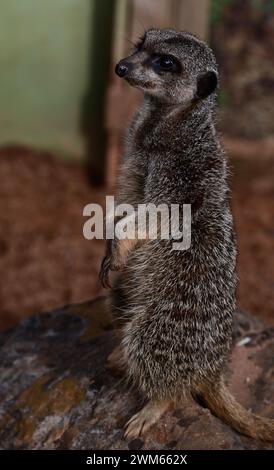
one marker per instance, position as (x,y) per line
(175,67)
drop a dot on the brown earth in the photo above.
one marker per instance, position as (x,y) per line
(45,262)
(253,209)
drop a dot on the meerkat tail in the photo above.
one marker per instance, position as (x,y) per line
(223,405)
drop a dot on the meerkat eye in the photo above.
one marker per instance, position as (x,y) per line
(165,63)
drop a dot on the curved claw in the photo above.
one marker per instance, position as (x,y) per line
(104,272)
(139,423)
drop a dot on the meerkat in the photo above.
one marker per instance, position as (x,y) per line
(174,309)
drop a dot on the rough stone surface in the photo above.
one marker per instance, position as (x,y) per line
(56,392)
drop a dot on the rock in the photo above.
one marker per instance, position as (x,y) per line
(56,393)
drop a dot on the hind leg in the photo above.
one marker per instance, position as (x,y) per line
(114,361)
(145,418)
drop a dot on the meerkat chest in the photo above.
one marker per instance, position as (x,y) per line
(135,136)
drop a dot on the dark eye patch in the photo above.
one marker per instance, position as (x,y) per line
(162,63)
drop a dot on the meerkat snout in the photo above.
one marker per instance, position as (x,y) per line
(122,69)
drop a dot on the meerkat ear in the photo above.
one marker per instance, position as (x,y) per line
(206,84)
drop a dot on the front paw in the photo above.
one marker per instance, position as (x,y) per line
(104,272)
(116,264)
(109,263)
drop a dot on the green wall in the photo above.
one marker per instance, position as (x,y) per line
(44,61)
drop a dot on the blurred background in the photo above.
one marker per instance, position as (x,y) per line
(62,115)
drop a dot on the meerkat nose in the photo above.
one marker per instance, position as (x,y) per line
(121,69)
